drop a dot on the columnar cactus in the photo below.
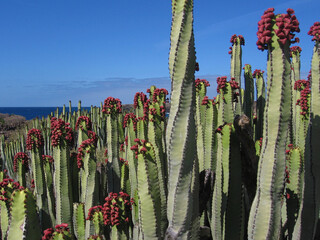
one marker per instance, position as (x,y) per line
(275,33)
(21,167)
(236,65)
(35,146)
(111,108)
(61,140)
(182,200)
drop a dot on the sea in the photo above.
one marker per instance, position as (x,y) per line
(33,112)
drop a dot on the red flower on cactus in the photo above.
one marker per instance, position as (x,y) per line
(257,73)
(87,146)
(23,158)
(112,106)
(234,39)
(139,96)
(92,211)
(48,234)
(47,158)
(7,186)
(286,25)
(295,50)
(117,209)
(305,92)
(201,82)
(62,228)
(60,131)
(159,93)
(315,31)
(222,81)
(130,117)
(34,139)
(83,121)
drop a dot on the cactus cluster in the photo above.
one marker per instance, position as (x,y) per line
(241,165)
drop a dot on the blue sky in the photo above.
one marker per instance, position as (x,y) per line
(55,51)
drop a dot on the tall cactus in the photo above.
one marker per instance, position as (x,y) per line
(61,140)
(236,66)
(35,146)
(265,214)
(182,198)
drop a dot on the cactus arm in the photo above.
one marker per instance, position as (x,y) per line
(24,221)
(79,221)
(50,190)
(4,219)
(181,143)
(236,67)
(149,196)
(261,101)
(248,93)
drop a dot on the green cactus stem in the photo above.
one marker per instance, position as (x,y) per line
(248,93)
(261,102)
(21,167)
(24,220)
(236,66)
(79,221)
(309,209)
(61,140)
(152,218)
(35,146)
(265,214)
(180,134)
(111,108)
(226,222)
(86,160)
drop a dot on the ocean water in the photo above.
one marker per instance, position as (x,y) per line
(33,112)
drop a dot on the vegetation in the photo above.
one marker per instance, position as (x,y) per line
(232,167)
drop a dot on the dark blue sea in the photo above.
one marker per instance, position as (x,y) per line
(33,112)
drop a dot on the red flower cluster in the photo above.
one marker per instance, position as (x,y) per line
(295,50)
(139,96)
(86,146)
(112,105)
(23,157)
(159,93)
(315,31)
(201,82)
(47,158)
(7,186)
(304,87)
(136,147)
(206,100)
(48,234)
(222,81)
(83,119)
(117,209)
(234,40)
(133,118)
(122,147)
(61,228)
(123,161)
(257,73)
(60,131)
(34,139)
(287,24)
(92,211)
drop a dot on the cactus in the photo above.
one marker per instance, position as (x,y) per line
(182,200)
(35,146)
(61,140)
(265,213)
(21,167)
(24,221)
(236,66)
(111,108)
